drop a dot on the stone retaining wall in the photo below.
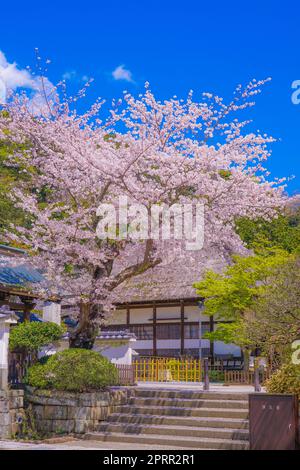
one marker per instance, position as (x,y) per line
(11,412)
(65,412)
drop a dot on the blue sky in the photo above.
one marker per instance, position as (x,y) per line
(176,46)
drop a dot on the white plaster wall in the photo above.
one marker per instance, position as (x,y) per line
(4,340)
(171,344)
(168,344)
(141,315)
(193,313)
(119,354)
(143,344)
(194,343)
(168,312)
(52,312)
(118,317)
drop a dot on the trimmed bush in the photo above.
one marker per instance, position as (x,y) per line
(32,336)
(73,370)
(285,380)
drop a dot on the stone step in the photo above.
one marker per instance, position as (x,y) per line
(221,433)
(190,394)
(188,402)
(234,423)
(174,441)
(177,411)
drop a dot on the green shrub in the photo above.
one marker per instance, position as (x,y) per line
(74,370)
(216,375)
(32,336)
(285,380)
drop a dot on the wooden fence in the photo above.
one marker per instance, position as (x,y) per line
(167,370)
(240,377)
(126,374)
(215,364)
(155,370)
(17,368)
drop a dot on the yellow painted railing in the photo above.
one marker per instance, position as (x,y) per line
(167,370)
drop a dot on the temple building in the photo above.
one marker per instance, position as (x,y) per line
(166,315)
(162,311)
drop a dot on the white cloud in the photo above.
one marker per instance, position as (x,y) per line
(11,78)
(120,73)
(72,75)
(43,92)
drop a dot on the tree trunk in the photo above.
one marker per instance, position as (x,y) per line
(246,356)
(86,330)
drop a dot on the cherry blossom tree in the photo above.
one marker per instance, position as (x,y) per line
(152,152)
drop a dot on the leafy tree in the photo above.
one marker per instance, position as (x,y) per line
(229,294)
(12,174)
(30,337)
(274,320)
(242,292)
(285,380)
(8,177)
(231,332)
(282,232)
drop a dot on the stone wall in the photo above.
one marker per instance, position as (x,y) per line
(11,412)
(65,412)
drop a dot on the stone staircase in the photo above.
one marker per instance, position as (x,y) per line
(179,419)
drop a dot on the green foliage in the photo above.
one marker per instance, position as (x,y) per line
(283,232)
(27,429)
(225,174)
(32,336)
(9,177)
(229,294)
(247,282)
(216,376)
(73,370)
(285,380)
(233,332)
(274,322)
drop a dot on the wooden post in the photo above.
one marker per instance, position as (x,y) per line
(154,331)
(127,316)
(182,327)
(257,386)
(211,346)
(206,376)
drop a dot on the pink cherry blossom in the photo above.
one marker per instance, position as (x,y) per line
(151,151)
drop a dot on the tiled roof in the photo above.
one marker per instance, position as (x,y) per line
(14,274)
(113,335)
(33,317)
(19,275)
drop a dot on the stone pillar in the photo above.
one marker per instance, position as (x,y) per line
(6,319)
(11,413)
(52,312)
